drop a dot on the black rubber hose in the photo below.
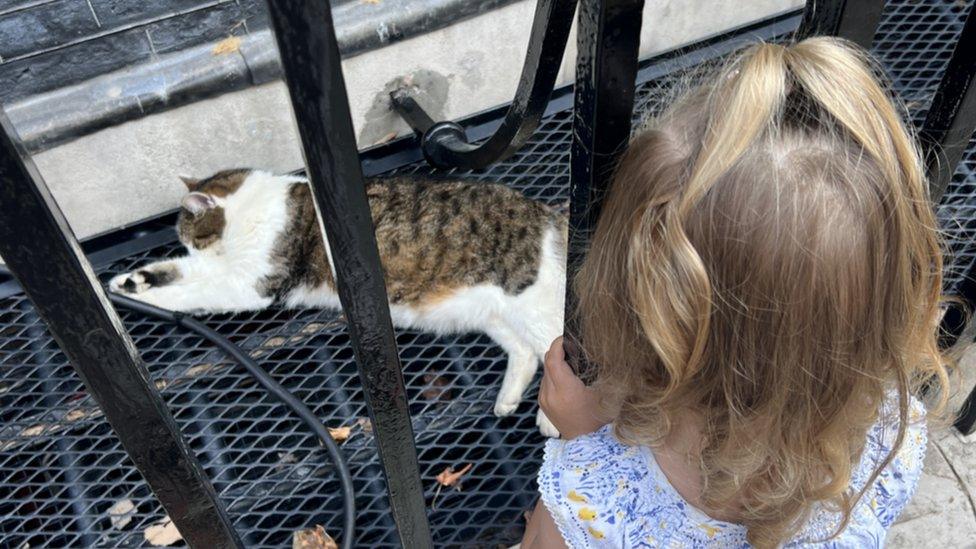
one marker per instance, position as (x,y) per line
(272,387)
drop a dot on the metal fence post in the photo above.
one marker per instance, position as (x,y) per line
(608,38)
(313,70)
(42,253)
(946,134)
(855,20)
(951,119)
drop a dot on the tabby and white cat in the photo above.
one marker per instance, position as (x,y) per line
(458,256)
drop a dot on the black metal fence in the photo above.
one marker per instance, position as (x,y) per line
(438,416)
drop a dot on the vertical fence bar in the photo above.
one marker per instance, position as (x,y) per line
(855,20)
(951,119)
(608,38)
(312,67)
(42,253)
(946,133)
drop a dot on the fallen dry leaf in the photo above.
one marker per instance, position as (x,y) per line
(340,434)
(449,477)
(227,45)
(312,328)
(34,430)
(198,370)
(365,424)
(313,538)
(162,533)
(386,138)
(121,513)
(78,414)
(370,1)
(161,384)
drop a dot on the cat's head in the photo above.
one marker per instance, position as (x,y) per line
(201,220)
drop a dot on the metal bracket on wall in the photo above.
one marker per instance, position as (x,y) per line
(445,144)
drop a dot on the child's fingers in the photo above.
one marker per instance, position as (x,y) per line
(556,368)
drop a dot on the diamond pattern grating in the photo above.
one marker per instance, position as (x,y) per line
(62,469)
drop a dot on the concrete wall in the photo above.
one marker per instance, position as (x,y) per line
(129,172)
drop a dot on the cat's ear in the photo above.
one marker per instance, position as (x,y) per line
(197,203)
(192,183)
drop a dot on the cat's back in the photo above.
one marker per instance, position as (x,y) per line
(450,233)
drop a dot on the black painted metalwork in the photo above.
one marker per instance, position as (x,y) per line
(313,70)
(445,144)
(608,39)
(42,253)
(952,117)
(946,134)
(855,20)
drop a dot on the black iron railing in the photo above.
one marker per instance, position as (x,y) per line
(43,254)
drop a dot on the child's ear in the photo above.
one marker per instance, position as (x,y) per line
(192,184)
(197,203)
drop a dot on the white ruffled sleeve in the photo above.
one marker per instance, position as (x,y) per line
(584,484)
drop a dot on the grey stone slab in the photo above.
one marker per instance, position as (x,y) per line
(45,26)
(207,25)
(940,515)
(115,13)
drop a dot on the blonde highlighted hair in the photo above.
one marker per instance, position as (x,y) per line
(767,259)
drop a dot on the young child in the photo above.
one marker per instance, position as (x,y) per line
(760,300)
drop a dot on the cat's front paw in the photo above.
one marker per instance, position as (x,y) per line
(129,283)
(503,408)
(545,426)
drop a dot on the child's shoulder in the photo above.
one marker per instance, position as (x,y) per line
(604,493)
(888,494)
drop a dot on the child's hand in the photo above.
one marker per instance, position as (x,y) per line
(571,406)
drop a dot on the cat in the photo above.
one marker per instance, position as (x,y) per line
(458,256)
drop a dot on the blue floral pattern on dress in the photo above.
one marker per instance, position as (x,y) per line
(603,493)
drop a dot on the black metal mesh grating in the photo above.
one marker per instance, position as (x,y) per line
(61,468)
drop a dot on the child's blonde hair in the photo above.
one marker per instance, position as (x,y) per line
(767,260)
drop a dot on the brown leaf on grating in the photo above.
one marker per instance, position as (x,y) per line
(35,430)
(227,45)
(313,538)
(120,514)
(450,477)
(162,534)
(386,138)
(365,424)
(79,414)
(200,369)
(340,434)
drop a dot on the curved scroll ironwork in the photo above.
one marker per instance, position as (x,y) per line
(445,144)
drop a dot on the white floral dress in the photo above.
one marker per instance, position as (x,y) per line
(602,493)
